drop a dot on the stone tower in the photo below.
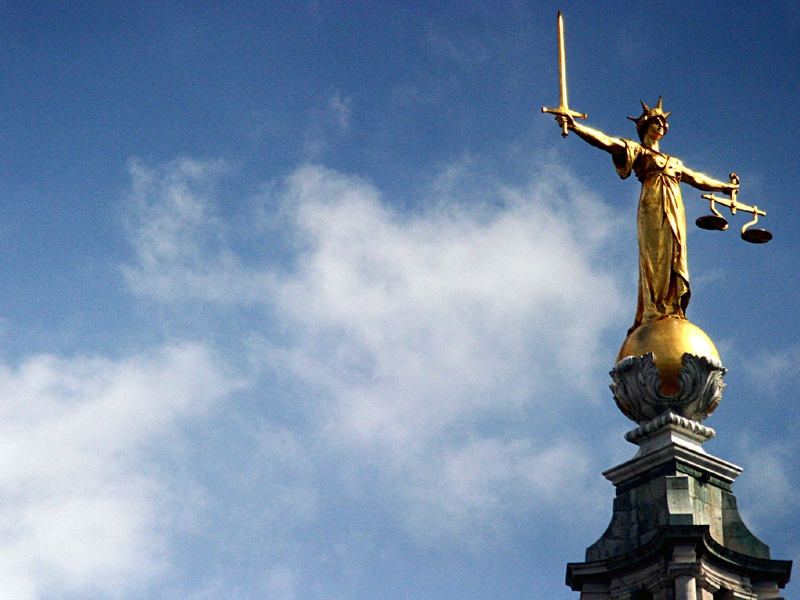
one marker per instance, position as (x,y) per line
(676,532)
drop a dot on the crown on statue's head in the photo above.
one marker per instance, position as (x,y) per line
(648,114)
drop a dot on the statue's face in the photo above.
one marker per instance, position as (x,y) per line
(657,128)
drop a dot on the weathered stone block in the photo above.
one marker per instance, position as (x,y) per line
(673,492)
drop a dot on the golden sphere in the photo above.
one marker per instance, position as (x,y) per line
(668,339)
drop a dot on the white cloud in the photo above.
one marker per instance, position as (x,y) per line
(417,322)
(445,347)
(773,369)
(767,482)
(327,124)
(180,241)
(341,110)
(466,53)
(80,511)
(467,493)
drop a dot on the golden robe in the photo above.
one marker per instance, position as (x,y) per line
(661,224)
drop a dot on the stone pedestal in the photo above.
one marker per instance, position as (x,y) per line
(676,532)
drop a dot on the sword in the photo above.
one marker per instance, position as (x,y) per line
(563,108)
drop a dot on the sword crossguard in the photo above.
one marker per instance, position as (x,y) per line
(563,110)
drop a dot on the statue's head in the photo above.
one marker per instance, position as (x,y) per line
(649,116)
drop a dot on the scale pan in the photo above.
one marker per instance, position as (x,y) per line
(756,236)
(712,222)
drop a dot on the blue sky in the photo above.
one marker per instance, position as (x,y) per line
(311,302)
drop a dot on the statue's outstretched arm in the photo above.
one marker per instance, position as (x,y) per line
(706,183)
(598,139)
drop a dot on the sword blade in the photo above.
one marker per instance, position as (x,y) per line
(562,62)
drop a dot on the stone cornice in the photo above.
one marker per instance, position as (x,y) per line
(660,549)
(639,466)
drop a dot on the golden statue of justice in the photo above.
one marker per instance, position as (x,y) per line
(660,325)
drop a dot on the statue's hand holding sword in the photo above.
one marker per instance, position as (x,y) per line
(563,109)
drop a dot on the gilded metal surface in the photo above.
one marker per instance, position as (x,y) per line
(661,221)
(668,339)
(563,107)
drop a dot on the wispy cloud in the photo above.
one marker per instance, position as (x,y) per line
(767,482)
(326,124)
(438,341)
(438,314)
(771,370)
(82,509)
(180,241)
(466,53)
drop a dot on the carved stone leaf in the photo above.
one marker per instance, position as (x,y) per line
(637,388)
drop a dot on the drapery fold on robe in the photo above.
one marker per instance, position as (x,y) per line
(661,225)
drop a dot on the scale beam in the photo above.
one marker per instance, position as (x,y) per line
(717,222)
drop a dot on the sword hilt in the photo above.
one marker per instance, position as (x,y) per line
(563,110)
